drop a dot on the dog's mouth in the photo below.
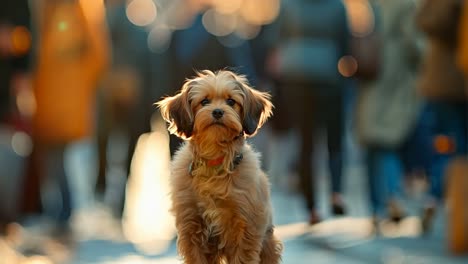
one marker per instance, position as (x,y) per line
(222,127)
(218,123)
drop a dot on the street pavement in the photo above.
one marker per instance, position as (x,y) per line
(344,240)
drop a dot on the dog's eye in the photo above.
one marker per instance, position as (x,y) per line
(230,102)
(205,102)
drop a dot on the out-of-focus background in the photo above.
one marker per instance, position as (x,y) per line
(366,152)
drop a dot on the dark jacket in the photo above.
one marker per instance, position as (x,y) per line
(315,34)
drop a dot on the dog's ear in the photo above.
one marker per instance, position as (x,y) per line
(176,110)
(257,109)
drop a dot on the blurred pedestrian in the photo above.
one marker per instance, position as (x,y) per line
(389,108)
(15,50)
(125,104)
(72,55)
(313,35)
(443,84)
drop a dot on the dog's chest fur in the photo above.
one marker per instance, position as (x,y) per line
(215,202)
(211,215)
(213,193)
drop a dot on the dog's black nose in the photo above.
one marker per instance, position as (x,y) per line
(218,113)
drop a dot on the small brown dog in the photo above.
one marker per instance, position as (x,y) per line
(220,195)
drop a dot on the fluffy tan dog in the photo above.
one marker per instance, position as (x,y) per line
(221,197)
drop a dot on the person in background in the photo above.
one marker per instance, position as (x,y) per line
(389,108)
(125,104)
(15,51)
(72,56)
(312,37)
(442,83)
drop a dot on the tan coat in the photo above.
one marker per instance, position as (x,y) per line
(462,55)
(440,77)
(72,56)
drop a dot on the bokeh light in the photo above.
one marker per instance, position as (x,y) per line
(260,12)
(147,222)
(227,6)
(26,102)
(231,41)
(347,66)
(247,31)
(444,144)
(360,17)
(22,144)
(159,38)
(21,40)
(93,10)
(219,24)
(62,26)
(141,12)
(37,260)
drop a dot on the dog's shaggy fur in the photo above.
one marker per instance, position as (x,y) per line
(220,195)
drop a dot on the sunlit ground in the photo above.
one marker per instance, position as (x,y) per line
(147,222)
(336,233)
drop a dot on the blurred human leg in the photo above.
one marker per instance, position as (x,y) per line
(449,126)
(55,190)
(376,184)
(103,129)
(334,111)
(392,172)
(450,123)
(306,174)
(384,177)
(81,170)
(303,111)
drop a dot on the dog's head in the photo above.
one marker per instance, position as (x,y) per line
(220,105)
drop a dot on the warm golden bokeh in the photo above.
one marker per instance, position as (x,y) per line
(21,40)
(347,66)
(141,12)
(360,16)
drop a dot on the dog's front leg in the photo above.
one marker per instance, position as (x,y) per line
(192,237)
(244,244)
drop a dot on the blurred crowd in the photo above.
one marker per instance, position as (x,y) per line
(83,74)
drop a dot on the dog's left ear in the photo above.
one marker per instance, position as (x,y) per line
(177,112)
(257,109)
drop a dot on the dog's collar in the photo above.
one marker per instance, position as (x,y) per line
(217,162)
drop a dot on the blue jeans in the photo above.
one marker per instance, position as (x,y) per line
(447,119)
(386,166)
(55,189)
(384,170)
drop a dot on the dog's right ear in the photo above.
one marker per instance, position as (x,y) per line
(177,112)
